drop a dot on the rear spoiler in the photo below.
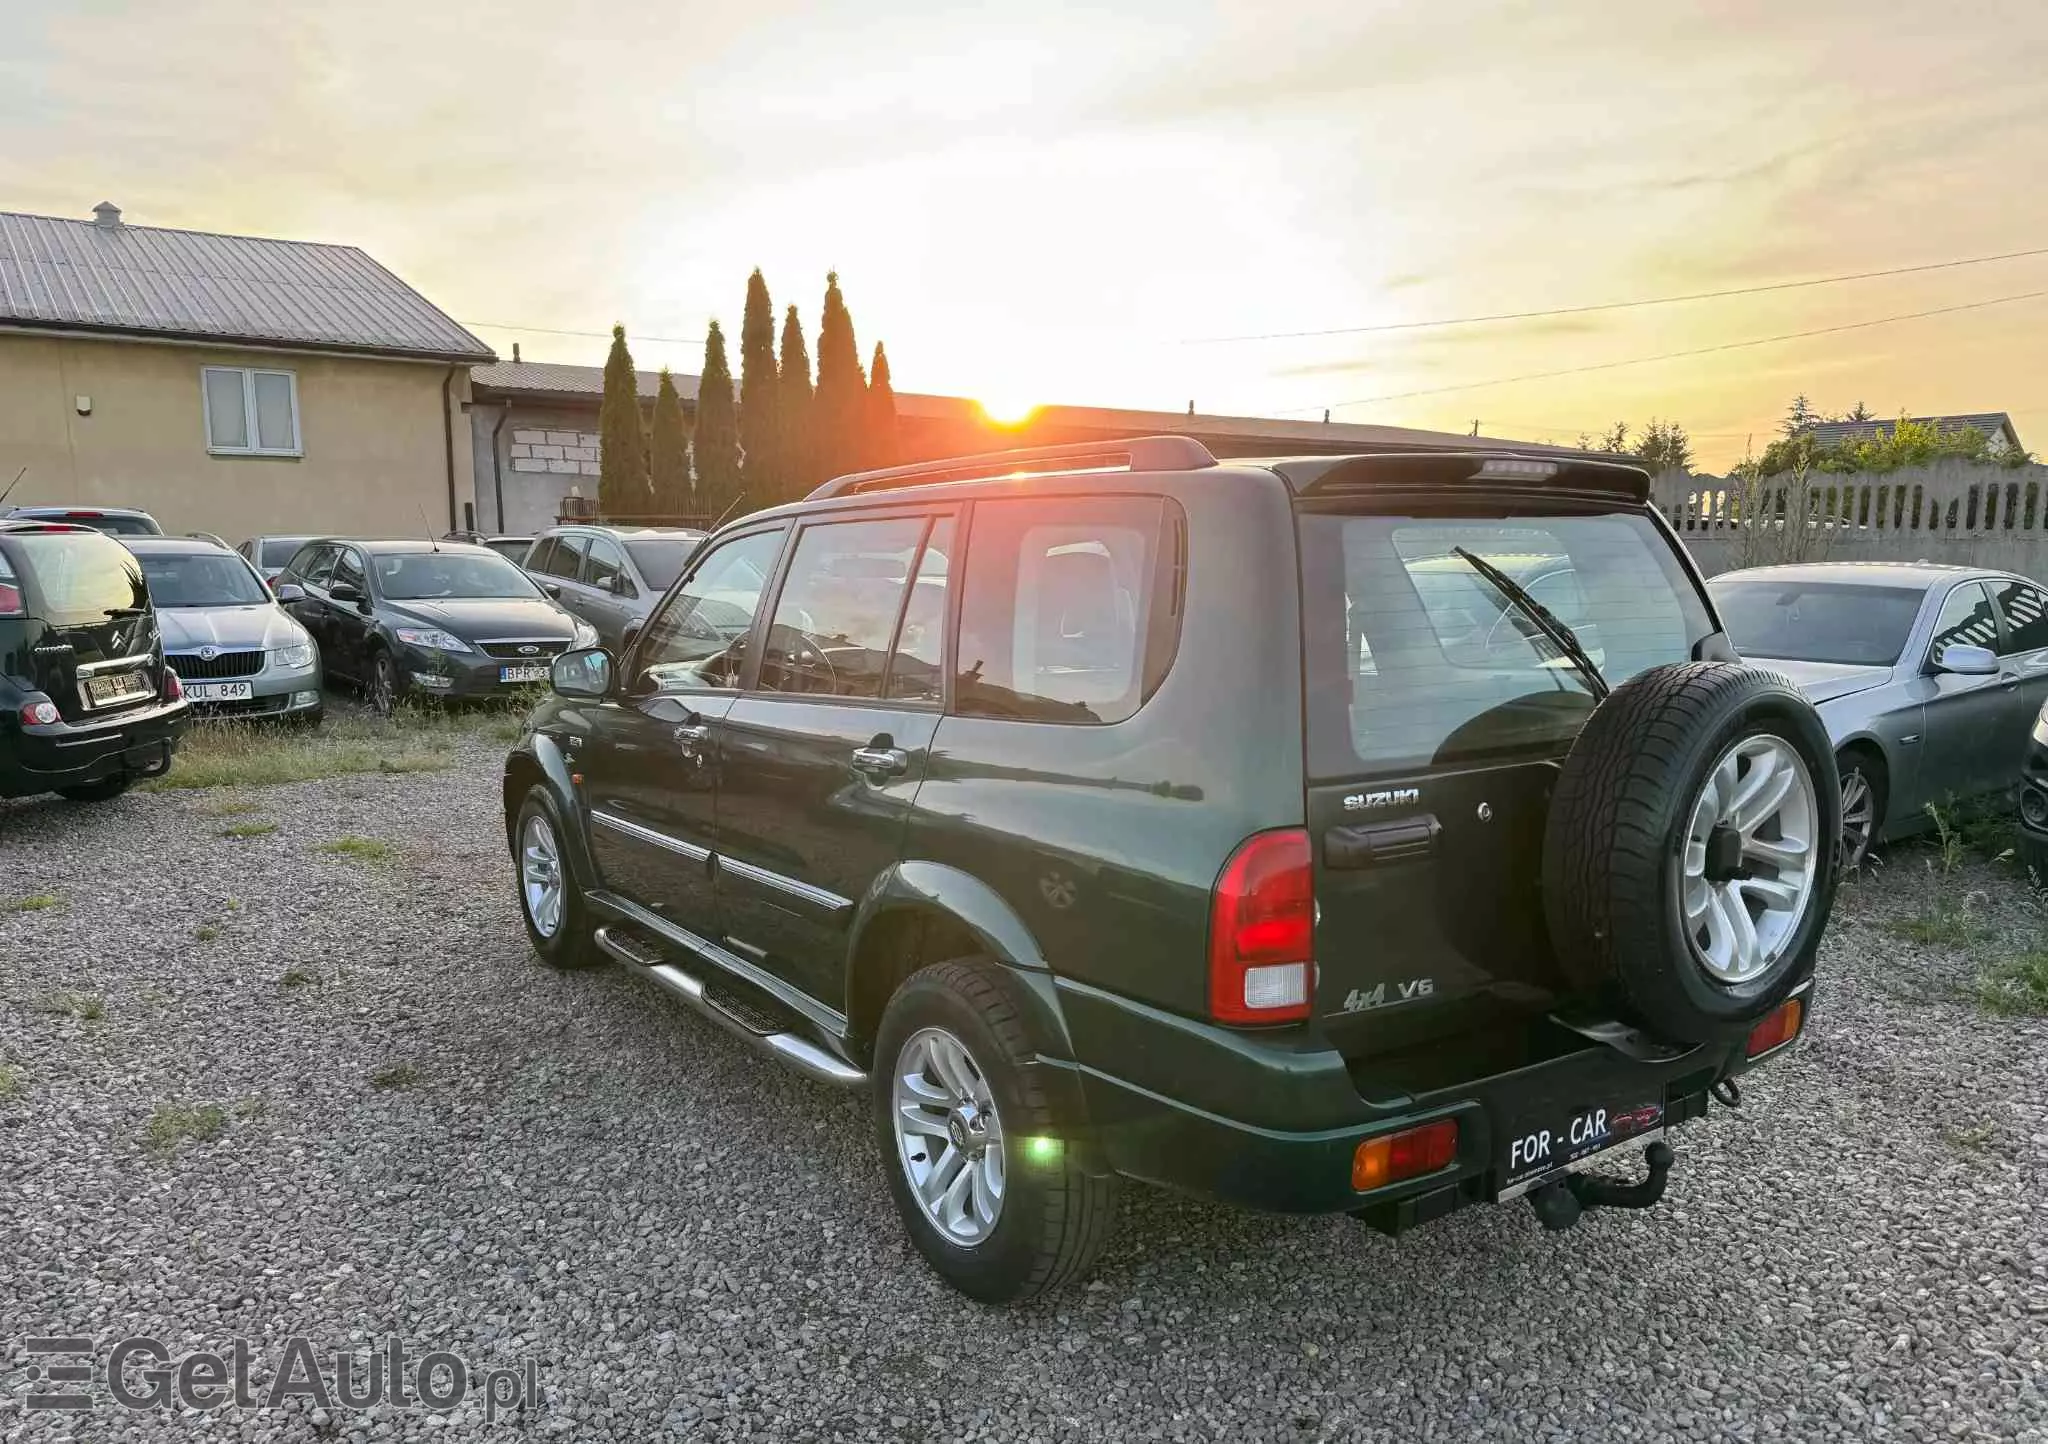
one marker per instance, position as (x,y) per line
(1431,470)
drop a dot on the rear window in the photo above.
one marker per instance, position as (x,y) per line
(10,590)
(1818,621)
(79,578)
(661,559)
(279,550)
(1414,660)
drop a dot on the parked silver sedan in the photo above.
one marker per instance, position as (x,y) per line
(237,650)
(1928,677)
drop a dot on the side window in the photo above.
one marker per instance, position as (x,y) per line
(2026,616)
(1063,616)
(348,569)
(316,563)
(837,612)
(698,641)
(565,560)
(10,590)
(537,555)
(606,566)
(1966,620)
(915,673)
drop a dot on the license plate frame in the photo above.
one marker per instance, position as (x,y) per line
(112,689)
(220,691)
(1546,1145)
(523,672)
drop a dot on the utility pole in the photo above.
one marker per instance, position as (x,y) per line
(1475,426)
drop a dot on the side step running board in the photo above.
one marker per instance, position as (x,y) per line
(798,1052)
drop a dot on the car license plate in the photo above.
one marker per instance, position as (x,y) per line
(220,691)
(527,673)
(1538,1150)
(111,687)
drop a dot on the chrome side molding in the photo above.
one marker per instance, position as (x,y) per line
(789,1048)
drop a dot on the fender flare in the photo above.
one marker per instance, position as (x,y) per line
(544,754)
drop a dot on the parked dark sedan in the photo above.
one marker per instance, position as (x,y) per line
(422,618)
(610,576)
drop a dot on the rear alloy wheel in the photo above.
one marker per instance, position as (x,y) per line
(949,1136)
(1862,810)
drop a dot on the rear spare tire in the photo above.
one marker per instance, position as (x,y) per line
(1690,853)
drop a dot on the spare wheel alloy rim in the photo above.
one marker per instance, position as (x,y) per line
(949,1137)
(1746,871)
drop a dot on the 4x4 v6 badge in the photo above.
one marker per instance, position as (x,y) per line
(1359,1000)
(1389,797)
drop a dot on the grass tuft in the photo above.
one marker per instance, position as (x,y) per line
(360,849)
(394,1075)
(89,1006)
(206,932)
(1944,924)
(34,902)
(11,1086)
(297,977)
(2015,988)
(249,829)
(172,1123)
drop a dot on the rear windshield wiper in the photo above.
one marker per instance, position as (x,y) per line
(1561,636)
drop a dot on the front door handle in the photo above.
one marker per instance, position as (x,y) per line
(691,733)
(881,761)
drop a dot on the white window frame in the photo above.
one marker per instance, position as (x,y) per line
(248,375)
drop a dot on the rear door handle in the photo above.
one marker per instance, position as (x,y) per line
(881,761)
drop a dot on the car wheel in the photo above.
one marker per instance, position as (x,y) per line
(1689,855)
(384,684)
(105,790)
(557,922)
(1863,803)
(990,1195)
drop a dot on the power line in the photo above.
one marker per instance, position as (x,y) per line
(557,331)
(1678,355)
(1618,305)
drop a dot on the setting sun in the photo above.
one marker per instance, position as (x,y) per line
(1008,411)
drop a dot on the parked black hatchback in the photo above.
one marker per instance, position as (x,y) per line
(86,702)
(1110,812)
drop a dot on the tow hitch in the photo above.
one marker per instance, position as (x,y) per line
(1559,1203)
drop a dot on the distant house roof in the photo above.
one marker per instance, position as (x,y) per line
(1995,425)
(107,276)
(1241,435)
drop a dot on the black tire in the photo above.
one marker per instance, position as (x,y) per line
(383,687)
(105,790)
(569,944)
(1855,763)
(1055,1218)
(1616,834)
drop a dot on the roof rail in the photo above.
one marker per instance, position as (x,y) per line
(210,537)
(1136,453)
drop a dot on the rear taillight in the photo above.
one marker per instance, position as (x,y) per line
(1262,931)
(1780,1028)
(1408,1154)
(174,690)
(40,714)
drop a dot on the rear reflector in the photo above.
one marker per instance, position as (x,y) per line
(1777,1030)
(1262,931)
(174,689)
(1408,1154)
(40,714)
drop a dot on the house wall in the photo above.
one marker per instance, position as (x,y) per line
(375,453)
(530,462)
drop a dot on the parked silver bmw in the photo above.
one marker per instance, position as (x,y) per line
(232,644)
(1928,677)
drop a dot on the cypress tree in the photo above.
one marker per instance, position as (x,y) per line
(622,462)
(795,472)
(882,446)
(839,415)
(760,427)
(668,452)
(717,444)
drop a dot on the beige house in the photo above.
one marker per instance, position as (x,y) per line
(227,383)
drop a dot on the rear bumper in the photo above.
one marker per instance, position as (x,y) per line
(35,760)
(1210,1146)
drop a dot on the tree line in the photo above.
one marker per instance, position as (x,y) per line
(771,439)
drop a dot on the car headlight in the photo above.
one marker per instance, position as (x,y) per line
(432,638)
(585,636)
(295,658)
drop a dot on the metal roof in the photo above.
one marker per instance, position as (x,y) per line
(549,378)
(144,281)
(1994,424)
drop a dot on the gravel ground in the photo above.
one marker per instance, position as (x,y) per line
(693,1245)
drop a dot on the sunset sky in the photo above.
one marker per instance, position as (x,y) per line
(1058,202)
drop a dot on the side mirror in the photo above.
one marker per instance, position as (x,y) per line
(553,589)
(345,592)
(631,634)
(584,673)
(1966,661)
(289,592)
(618,585)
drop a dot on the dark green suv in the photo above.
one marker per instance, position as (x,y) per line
(1377,834)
